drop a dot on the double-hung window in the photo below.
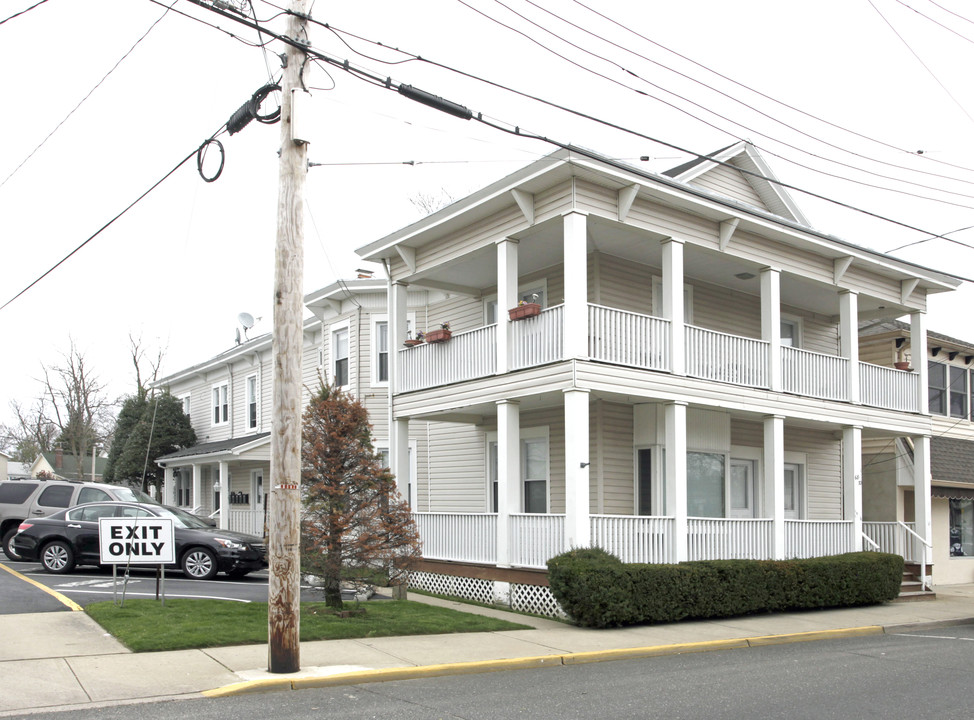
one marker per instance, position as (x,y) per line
(957,391)
(252,402)
(221,404)
(339,351)
(381,339)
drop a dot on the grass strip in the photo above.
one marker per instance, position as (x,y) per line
(148,626)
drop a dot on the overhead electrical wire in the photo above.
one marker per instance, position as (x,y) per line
(728,120)
(951,12)
(836,126)
(387,83)
(737,100)
(936,22)
(88,95)
(22,12)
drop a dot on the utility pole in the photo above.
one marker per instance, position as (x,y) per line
(284,590)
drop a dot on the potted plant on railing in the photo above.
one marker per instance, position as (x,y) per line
(441,334)
(413,341)
(524,310)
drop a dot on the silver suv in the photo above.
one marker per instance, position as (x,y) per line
(22,499)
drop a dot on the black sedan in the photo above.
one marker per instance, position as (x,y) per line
(70,537)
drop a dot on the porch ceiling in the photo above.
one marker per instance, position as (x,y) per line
(540,248)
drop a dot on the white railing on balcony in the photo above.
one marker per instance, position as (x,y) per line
(247,521)
(889,388)
(814,374)
(727,358)
(817,538)
(464,537)
(726,539)
(538,340)
(894,537)
(634,539)
(535,538)
(466,356)
(627,338)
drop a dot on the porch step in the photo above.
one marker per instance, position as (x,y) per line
(911,589)
(917,596)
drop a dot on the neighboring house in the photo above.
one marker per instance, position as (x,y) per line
(691,388)
(18,471)
(228,400)
(889,466)
(66,467)
(4,461)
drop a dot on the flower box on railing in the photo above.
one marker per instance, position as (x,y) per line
(524,310)
(438,336)
(412,342)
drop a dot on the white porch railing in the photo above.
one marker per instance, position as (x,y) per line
(465,356)
(627,338)
(538,340)
(634,539)
(894,537)
(726,358)
(726,539)
(463,537)
(816,538)
(535,538)
(889,388)
(814,374)
(247,521)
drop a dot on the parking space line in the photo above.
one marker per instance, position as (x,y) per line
(64,600)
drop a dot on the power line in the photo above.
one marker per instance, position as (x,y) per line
(97,85)
(22,12)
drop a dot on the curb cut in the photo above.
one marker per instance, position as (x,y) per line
(539,661)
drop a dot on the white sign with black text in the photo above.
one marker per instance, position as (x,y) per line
(136,541)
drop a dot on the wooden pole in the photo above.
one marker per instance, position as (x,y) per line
(284,531)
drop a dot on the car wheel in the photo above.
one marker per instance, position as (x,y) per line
(57,557)
(8,544)
(199,564)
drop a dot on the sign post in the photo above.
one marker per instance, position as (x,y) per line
(137,541)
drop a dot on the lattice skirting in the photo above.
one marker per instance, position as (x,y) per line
(535,599)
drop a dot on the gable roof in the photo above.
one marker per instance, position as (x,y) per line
(742,156)
(233,446)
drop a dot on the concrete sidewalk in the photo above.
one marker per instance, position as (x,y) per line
(64,659)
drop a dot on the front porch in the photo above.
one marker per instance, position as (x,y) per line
(534,538)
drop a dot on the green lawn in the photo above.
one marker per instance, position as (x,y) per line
(145,625)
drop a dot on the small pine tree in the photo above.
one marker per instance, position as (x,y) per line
(354,522)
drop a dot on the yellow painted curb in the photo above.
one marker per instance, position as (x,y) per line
(651,651)
(250,686)
(53,593)
(816,635)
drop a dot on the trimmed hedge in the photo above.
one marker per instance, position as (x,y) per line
(597,590)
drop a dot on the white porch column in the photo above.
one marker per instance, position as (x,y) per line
(576,285)
(771,323)
(397,299)
(673,309)
(675,473)
(198,487)
(224,496)
(508,475)
(578,531)
(774,481)
(921,491)
(168,487)
(852,480)
(918,354)
(507,297)
(849,338)
(399,461)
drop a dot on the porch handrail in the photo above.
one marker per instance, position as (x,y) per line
(628,338)
(720,356)
(538,340)
(923,555)
(869,540)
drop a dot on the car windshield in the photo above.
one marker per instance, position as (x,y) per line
(182,519)
(127,494)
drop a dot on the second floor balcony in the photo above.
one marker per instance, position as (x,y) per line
(645,342)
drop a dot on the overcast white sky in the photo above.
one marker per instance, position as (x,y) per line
(179,267)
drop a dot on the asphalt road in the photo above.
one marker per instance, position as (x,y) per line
(916,675)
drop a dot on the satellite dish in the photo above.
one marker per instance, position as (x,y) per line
(246,319)
(238,335)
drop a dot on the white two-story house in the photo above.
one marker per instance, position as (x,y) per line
(691,387)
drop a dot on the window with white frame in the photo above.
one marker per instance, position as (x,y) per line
(794,491)
(962,527)
(220,404)
(742,495)
(339,356)
(185,400)
(527,294)
(791,331)
(644,482)
(705,484)
(257,489)
(380,357)
(534,474)
(385,460)
(253,402)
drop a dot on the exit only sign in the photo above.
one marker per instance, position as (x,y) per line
(136,541)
